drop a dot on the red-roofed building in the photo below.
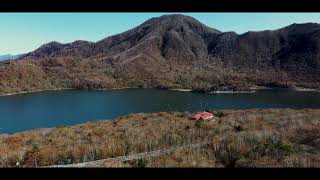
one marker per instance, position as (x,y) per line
(202,115)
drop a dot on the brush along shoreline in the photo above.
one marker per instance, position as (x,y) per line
(252,90)
(251,138)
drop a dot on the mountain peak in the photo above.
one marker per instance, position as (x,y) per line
(176,17)
(53,43)
(179,20)
(171,17)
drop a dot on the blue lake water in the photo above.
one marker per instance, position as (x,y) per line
(59,108)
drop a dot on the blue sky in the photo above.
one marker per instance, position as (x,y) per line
(24,32)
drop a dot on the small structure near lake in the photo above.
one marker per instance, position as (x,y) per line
(202,115)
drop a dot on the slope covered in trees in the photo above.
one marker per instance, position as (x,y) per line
(173,51)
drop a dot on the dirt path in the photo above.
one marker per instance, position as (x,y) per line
(133,156)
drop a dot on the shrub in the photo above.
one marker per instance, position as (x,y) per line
(274,147)
(184,114)
(229,157)
(139,163)
(219,114)
(238,128)
(142,163)
(35,148)
(243,162)
(199,122)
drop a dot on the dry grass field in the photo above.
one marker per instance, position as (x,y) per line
(237,138)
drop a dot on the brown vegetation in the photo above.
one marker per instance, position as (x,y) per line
(173,51)
(237,138)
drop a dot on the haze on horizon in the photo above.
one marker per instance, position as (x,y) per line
(24,32)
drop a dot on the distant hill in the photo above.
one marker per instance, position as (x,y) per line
(9,56)
(174,51)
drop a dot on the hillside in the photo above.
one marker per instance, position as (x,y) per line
(173,51)
(236,138)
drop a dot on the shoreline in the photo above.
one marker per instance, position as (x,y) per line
(260,88)
(41,90)
(305,89)
(106,120)
(230,92)
(116,88)
(183,90)
(290,88)
(252,90)
(60,89)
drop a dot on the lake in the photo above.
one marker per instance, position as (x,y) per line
(58,108)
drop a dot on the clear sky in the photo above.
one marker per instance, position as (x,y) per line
(24,32)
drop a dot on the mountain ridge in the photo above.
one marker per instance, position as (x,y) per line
(157,19)
(174,51)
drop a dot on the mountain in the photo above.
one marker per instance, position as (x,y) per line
(9,56)
(158,36)
(173,51)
